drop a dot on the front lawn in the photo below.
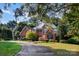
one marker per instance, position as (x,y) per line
(61,48)
(9,48)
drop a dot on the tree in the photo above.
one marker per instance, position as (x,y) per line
(1,12)
(11,24)
(72,18)
(44,12)
(5,32)
(33,21)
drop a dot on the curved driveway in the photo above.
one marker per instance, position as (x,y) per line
(29,49)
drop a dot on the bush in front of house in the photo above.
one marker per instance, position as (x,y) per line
(73,40)
(31,36)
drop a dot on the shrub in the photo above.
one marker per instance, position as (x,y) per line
(73,40)
(7,39)
(31,35)
(6,34)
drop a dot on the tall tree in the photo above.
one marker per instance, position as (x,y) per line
(72,18)
(11,24)
(44,12)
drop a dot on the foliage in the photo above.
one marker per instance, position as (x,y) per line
(33,21)
(48,13)
(72,19)
(11,24)
(74,40)
(47,10)
(31,35)
(40,11)
(1,13)
(5,32)
(17,34)
(18,12)
(63,28)
(21,25)
(32,24)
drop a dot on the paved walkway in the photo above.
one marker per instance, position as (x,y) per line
(29,49)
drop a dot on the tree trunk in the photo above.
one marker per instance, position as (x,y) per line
(13,35)
(59,33)
(13,30)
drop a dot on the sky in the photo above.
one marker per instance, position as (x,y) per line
(8,14)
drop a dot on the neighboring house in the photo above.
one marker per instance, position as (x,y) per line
(42,30)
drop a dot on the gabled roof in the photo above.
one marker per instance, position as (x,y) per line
(24,30)
(42,24)
(39,26)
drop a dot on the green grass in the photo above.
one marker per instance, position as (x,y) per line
(9,48)
(61,48)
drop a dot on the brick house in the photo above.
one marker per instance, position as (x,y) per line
(42,31)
